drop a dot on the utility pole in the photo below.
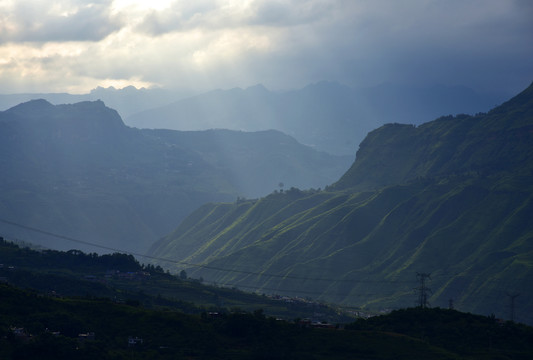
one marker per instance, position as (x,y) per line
(423,290)
(511,306)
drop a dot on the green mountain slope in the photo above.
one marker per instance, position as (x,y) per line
(452,198)
(486,143)
(77,170)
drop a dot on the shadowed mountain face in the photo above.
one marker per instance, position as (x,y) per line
(452,198)
(327,116)
(77,170)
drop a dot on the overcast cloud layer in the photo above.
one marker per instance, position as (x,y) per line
(76,45)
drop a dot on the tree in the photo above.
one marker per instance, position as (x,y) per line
(183,275)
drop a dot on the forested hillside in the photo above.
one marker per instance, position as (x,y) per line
(64,305)
(40,327)
(452,198)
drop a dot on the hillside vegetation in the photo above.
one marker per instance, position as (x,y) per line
(452,198)
(120,278)
(33,326)
(64,305)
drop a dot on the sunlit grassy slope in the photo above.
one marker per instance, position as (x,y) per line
(452,198)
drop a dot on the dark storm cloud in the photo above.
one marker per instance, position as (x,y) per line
(453,42)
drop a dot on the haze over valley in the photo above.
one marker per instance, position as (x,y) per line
(327,116)
(280,179)
(77,170)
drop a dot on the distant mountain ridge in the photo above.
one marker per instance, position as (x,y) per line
(328,116)
(452,198)
(127,101)
(77,170)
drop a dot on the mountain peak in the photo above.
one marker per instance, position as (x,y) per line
(88,105)
(396,153)
(99,90)
(31,106)
(94,114)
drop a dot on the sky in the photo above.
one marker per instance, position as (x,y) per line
(76,45)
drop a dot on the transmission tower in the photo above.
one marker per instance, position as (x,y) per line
(511,306)
(423,290)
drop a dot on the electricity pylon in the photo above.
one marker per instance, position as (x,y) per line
(423,290)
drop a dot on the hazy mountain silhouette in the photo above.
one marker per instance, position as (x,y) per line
(452,198)
(126,101)
(328,116)
(77,170)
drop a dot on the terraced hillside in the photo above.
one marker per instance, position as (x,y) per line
(452,198)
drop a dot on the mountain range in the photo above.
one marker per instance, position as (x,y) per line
(327,116)
(127,101)
(78,171)
(440,211)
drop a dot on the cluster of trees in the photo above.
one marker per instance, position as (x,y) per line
(121,277)
(72,259)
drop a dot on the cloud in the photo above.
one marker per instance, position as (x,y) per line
(280,43)
(210,15)
(290,13)
(183,16)
(49,21)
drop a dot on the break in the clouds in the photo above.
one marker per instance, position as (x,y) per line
(76,45)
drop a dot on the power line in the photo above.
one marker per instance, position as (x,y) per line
(261,288)
(511,306)
(208,267)
(450,304)
(423,289)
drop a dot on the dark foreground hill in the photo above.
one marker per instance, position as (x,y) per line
(452,198)
(123,279)
(37,327)
(86,306)
(77,170)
